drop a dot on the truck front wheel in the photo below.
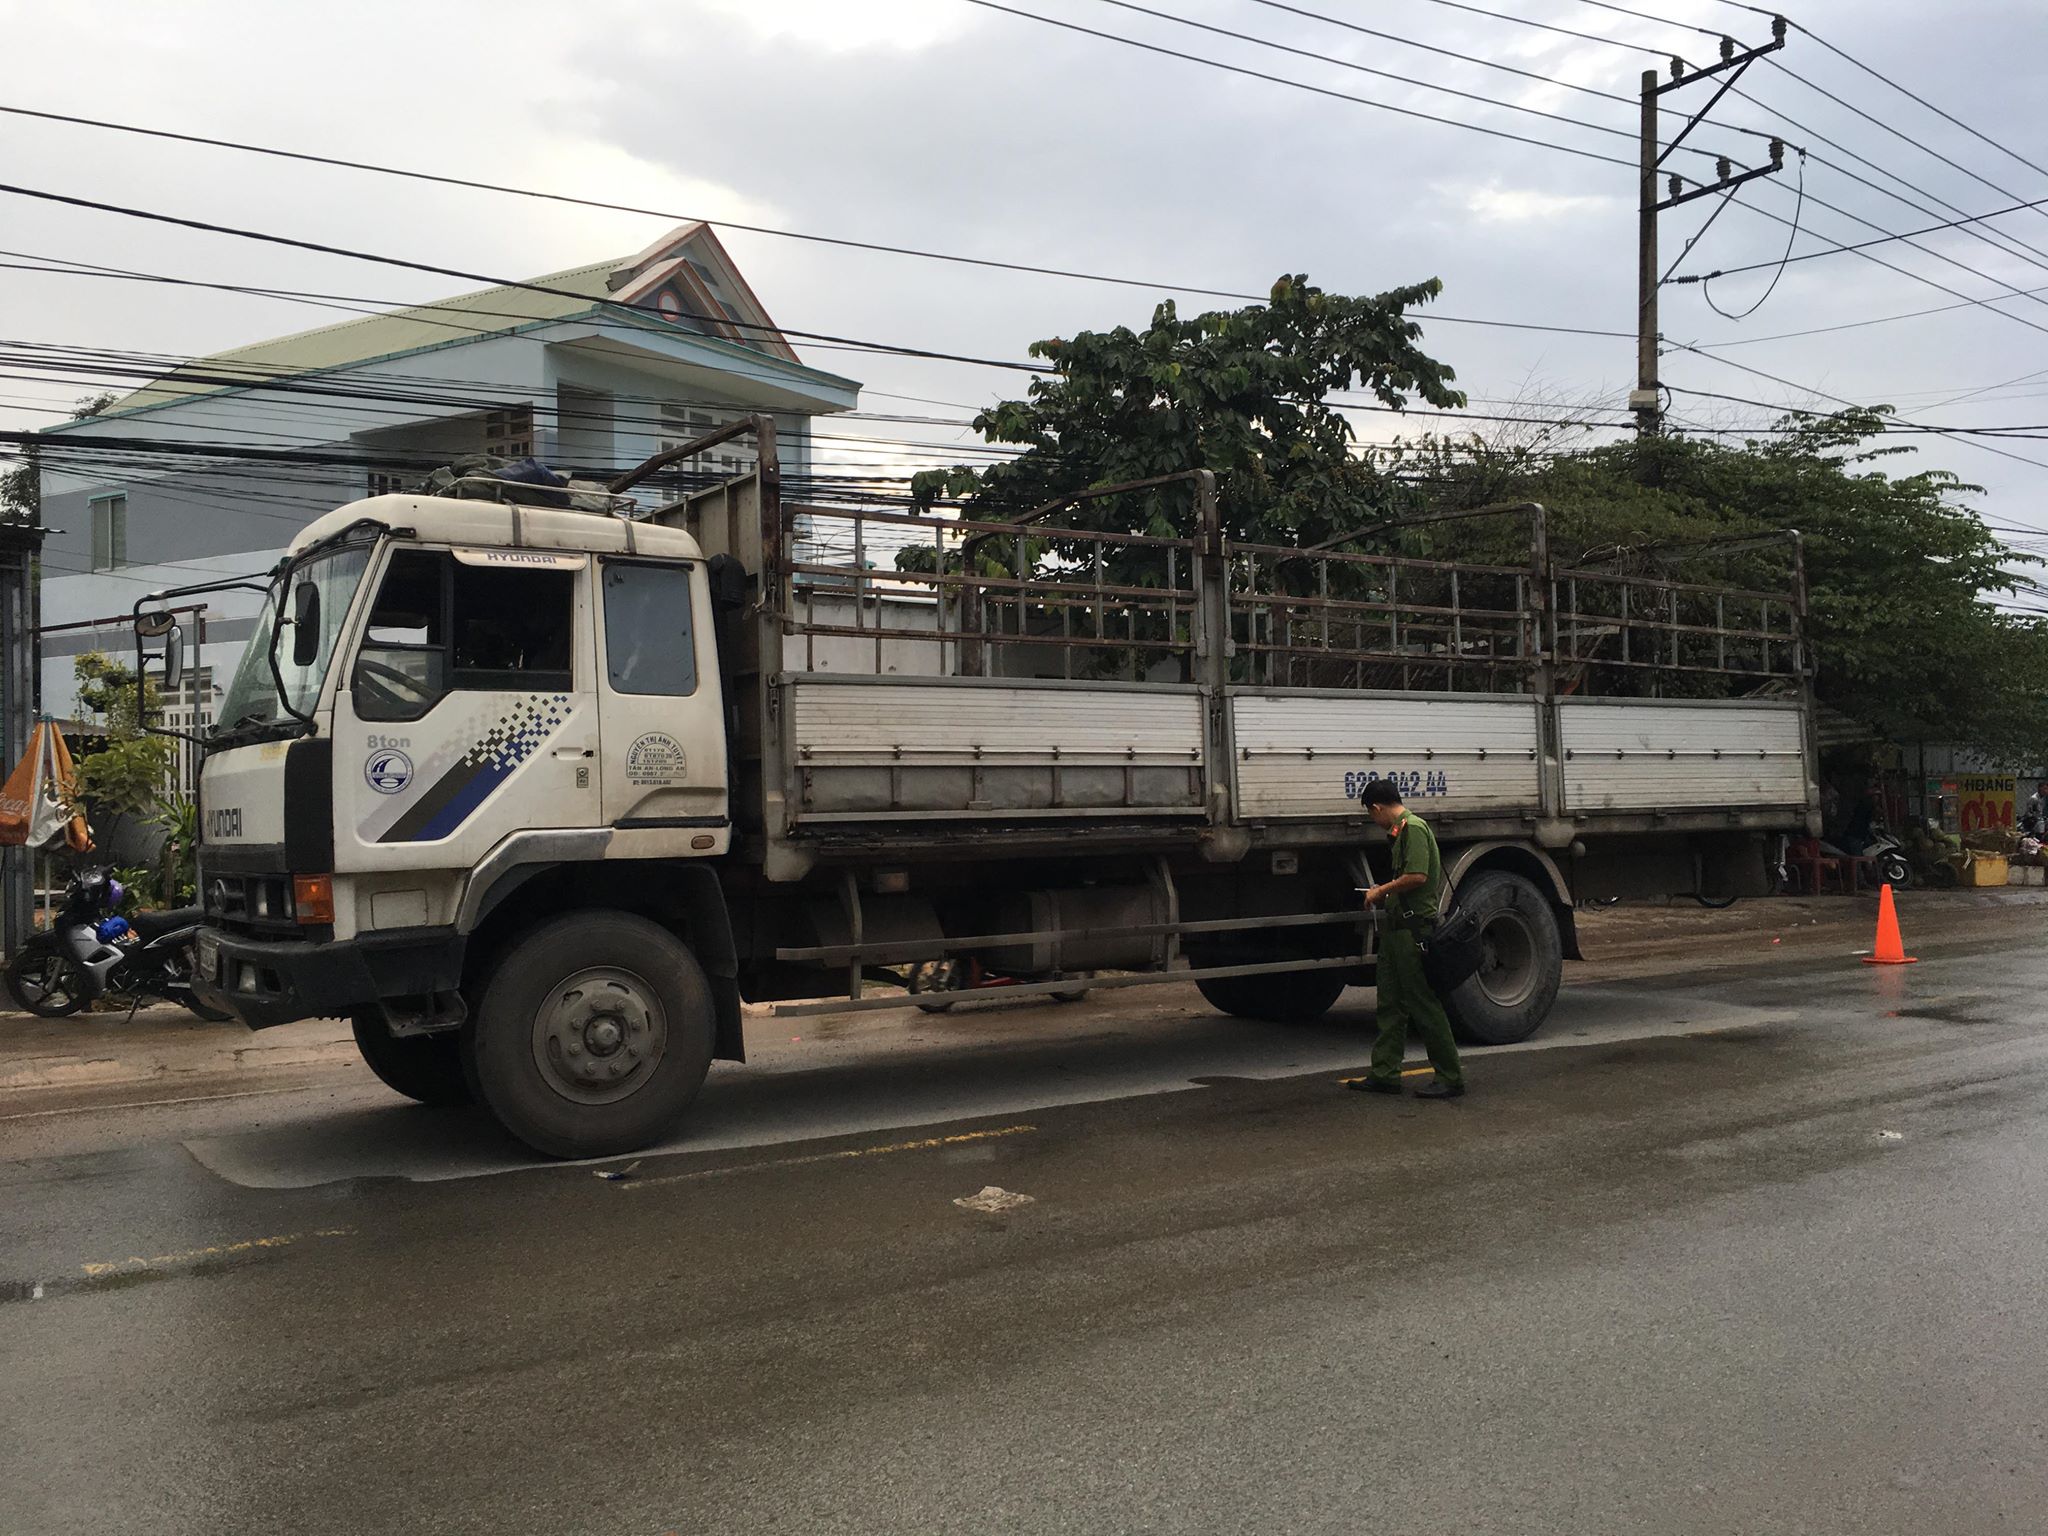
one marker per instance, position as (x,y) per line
(1521,964)
(1285,997)
(593,1036)
(423,1067)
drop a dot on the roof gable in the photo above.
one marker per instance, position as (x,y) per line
(686,278)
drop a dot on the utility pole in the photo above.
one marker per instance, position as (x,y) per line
(21,540)
(1646,399)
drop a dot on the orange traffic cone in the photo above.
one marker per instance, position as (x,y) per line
(1891,949)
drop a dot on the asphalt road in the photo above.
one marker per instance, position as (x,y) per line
(1751,1240)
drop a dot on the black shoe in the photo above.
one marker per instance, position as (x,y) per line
(1437,1088)
(1374,1085)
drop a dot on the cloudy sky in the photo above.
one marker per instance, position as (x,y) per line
(949,126)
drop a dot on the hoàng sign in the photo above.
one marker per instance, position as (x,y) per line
(1986,801)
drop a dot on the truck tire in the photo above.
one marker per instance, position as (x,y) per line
(593,1036)
(423,1067)
(1283,997)
(1510,996)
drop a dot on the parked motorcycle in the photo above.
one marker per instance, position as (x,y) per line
(89,952)
(1894,867)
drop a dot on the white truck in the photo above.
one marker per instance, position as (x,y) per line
(538,795)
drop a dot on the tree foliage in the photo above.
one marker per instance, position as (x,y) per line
(1904,577)
(1902,574)
(1242,392)
(21,495)
(130,772)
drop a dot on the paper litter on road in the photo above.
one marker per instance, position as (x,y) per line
(993,1198)
(617,1173)
(1891,1135)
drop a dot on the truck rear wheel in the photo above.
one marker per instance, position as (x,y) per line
(423,1067)
(594,1035)
(1284,997)
(1509,997)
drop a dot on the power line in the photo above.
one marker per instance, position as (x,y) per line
(1847,325)
(1449,53)
(1301,85)
(1545,26)
(641,316)
(1864,245)
(955,257)
(1896,133)
(1706,290)
(1343,96)
(1685,26)
(1990,304)
(1911,96)
(1325,58)
(2035,252)
(1956,434)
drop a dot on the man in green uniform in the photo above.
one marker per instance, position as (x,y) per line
(1405,996)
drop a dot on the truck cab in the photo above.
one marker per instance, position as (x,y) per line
(446,697)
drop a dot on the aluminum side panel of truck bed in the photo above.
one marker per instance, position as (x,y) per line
(959,750)
(1668,754)
(1311,756)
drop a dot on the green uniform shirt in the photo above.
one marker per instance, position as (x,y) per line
(1415,853)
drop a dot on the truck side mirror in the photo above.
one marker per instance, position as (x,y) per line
(159,625)
(174,658)
(305,624)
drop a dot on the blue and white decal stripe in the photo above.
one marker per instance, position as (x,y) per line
(450,799)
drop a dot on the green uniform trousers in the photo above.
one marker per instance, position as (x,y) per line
(1406,1002)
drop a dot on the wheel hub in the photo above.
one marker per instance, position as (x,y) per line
(599,1035)
(1507,964)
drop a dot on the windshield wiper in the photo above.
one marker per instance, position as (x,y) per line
(247,723)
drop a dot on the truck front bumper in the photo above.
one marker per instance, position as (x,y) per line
(275,981)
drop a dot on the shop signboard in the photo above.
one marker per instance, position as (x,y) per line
(1987,801)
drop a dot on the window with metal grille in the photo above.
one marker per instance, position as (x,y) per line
(394,483)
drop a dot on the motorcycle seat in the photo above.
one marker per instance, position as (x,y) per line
(150,925)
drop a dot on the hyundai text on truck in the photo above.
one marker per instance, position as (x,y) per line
(539,795)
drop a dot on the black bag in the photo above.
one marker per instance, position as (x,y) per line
(1451,956)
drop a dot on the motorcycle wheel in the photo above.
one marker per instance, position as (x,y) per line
(45,984)
(1895,870)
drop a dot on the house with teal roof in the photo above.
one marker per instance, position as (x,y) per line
(211,467)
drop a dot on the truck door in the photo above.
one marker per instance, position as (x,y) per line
(658,692)
(470,709)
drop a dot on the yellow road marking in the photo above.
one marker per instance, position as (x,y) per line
(116,1106)
(214,1251)
(925,1145)
(1405,1072)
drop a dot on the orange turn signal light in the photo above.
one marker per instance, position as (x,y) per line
(313,898)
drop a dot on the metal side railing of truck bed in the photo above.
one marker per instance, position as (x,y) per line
(929,669)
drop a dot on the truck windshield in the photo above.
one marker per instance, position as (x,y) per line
(252,700)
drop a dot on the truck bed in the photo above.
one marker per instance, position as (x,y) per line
(952,751)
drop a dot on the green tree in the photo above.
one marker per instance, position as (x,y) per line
(21,495)
(128,775)
(1903,575)
(1242,392)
